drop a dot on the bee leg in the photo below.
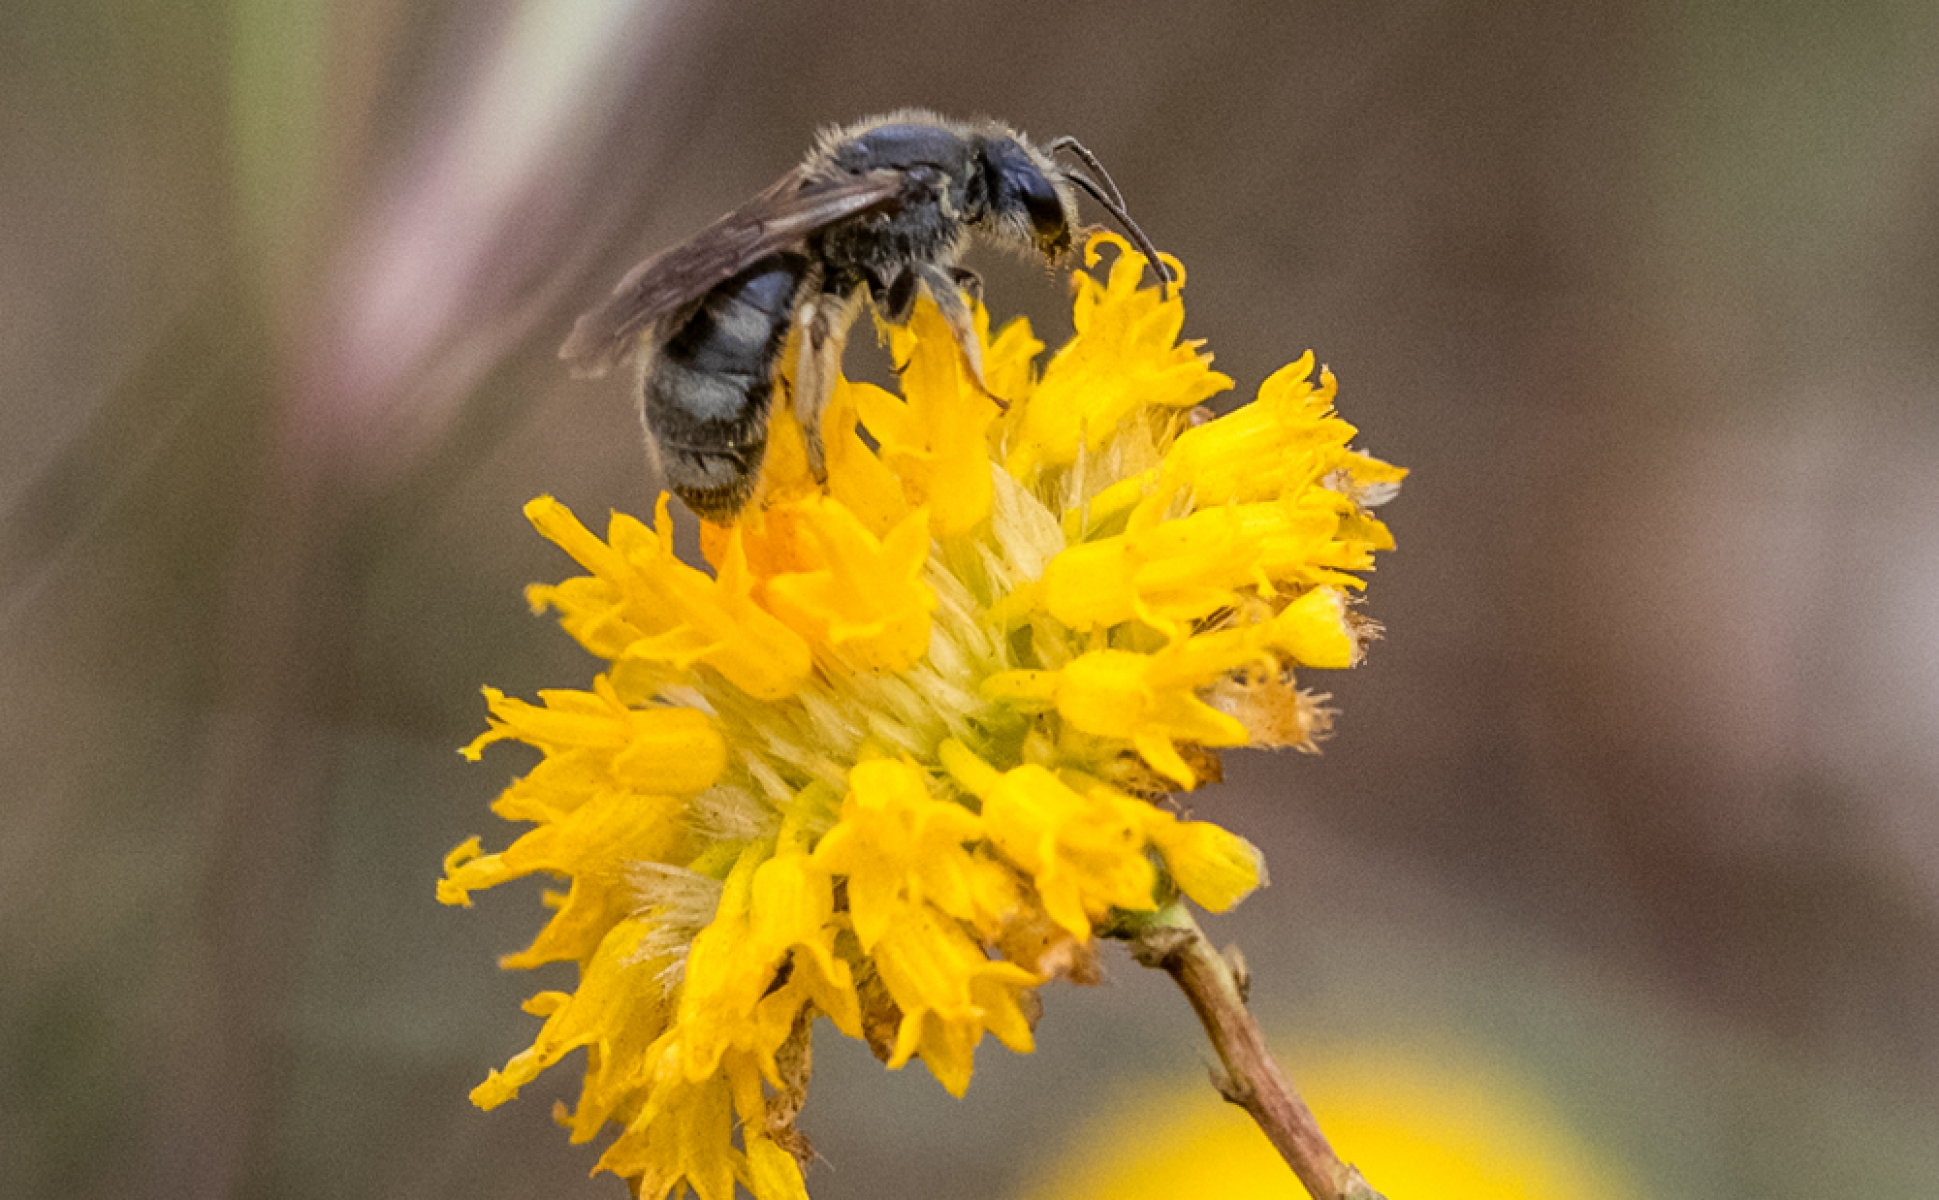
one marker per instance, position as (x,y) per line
(898,300)
(947,291)
(968,282)
(894,303)
(823,320)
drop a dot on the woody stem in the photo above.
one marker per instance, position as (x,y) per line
(1171,940)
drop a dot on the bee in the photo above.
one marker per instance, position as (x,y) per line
(877,212)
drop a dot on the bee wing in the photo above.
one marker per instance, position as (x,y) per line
(780,218)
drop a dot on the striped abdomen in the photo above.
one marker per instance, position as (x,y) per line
(709,386)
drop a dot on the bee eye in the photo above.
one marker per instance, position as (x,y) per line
(1045,207)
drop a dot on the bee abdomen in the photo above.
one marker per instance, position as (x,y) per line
(708,390)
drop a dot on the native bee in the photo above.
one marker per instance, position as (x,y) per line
(878,210)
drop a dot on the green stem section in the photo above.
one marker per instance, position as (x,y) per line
(1171,941)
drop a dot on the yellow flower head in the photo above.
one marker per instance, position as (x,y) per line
(902,750)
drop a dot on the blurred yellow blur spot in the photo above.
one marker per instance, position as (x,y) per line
(1421,1123)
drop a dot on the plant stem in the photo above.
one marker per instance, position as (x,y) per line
(1171,940)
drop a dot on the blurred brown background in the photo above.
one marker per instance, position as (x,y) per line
(1637,796)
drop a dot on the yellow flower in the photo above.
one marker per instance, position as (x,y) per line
(899,755)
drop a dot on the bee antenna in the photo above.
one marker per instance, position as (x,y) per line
(1084,156)
(1115,207)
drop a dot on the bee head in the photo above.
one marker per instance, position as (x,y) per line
(1025,190)
(1108,197)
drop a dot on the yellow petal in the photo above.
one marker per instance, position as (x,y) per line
(1084,850)
(950,993)
(1214,867)
(1123,694)
(616,1007)
(898,846)
(587,840)
(677,615)
(1125,358)
(772,1173)
(869,605)
(934,439)
(862,482)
